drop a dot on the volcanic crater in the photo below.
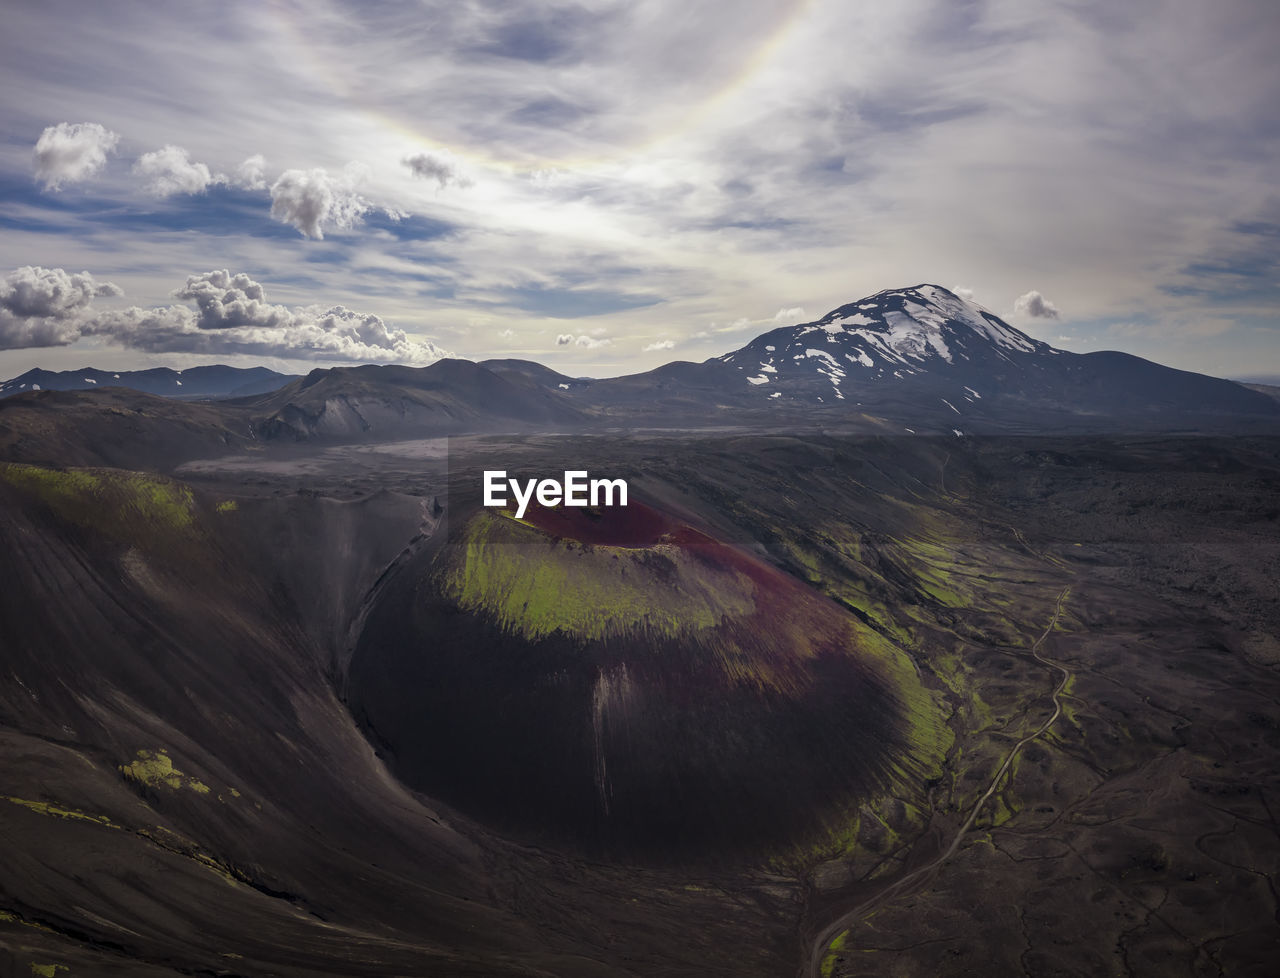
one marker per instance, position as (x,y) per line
(630,685)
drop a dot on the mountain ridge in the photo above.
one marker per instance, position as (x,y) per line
(209,381)
(914,360)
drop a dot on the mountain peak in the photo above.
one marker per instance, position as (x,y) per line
(890,335)
(916,322)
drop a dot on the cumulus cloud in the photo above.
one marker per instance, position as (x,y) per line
(226,301)
(963,293)
(72,152)
(233,316)
(791,315)
(252,173)
(49,307)
(424,166)
(1035,305)
(312,200)
(46,306)
(660,345)
(169,171)
(334,334)
(590,342)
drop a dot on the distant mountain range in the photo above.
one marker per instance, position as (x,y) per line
(915,360)
(217,381)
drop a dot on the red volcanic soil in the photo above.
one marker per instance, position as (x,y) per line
(788,616)
(634,525)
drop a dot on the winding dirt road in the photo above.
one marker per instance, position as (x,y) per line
(813,964)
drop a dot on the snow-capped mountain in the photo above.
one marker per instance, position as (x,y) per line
(890,336)
(926,354)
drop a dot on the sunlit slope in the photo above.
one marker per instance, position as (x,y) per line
(629,683)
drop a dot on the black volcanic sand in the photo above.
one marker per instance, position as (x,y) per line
(1136,837)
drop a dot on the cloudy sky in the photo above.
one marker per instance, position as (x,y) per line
(604,186)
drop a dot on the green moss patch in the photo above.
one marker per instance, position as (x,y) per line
(829,960)
(121,504)
(155,769)
(57,811)
(535,585)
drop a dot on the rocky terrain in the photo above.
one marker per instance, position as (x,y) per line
(281,698)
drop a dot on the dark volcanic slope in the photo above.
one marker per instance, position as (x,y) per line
(159,696)
(117,427)
(449,396)
(527,370)
(629,684)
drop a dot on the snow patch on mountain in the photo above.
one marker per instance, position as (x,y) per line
(926,334)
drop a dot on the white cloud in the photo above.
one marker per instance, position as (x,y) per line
(506,334)
(72,152)
(789,316)
(584,340)
(1035,305)
(659,345)
(963,293)
(46,306)
(313,200)
(252,173)
(169,171)
(337,334)
(50,307)
(425,166)
(226,301)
